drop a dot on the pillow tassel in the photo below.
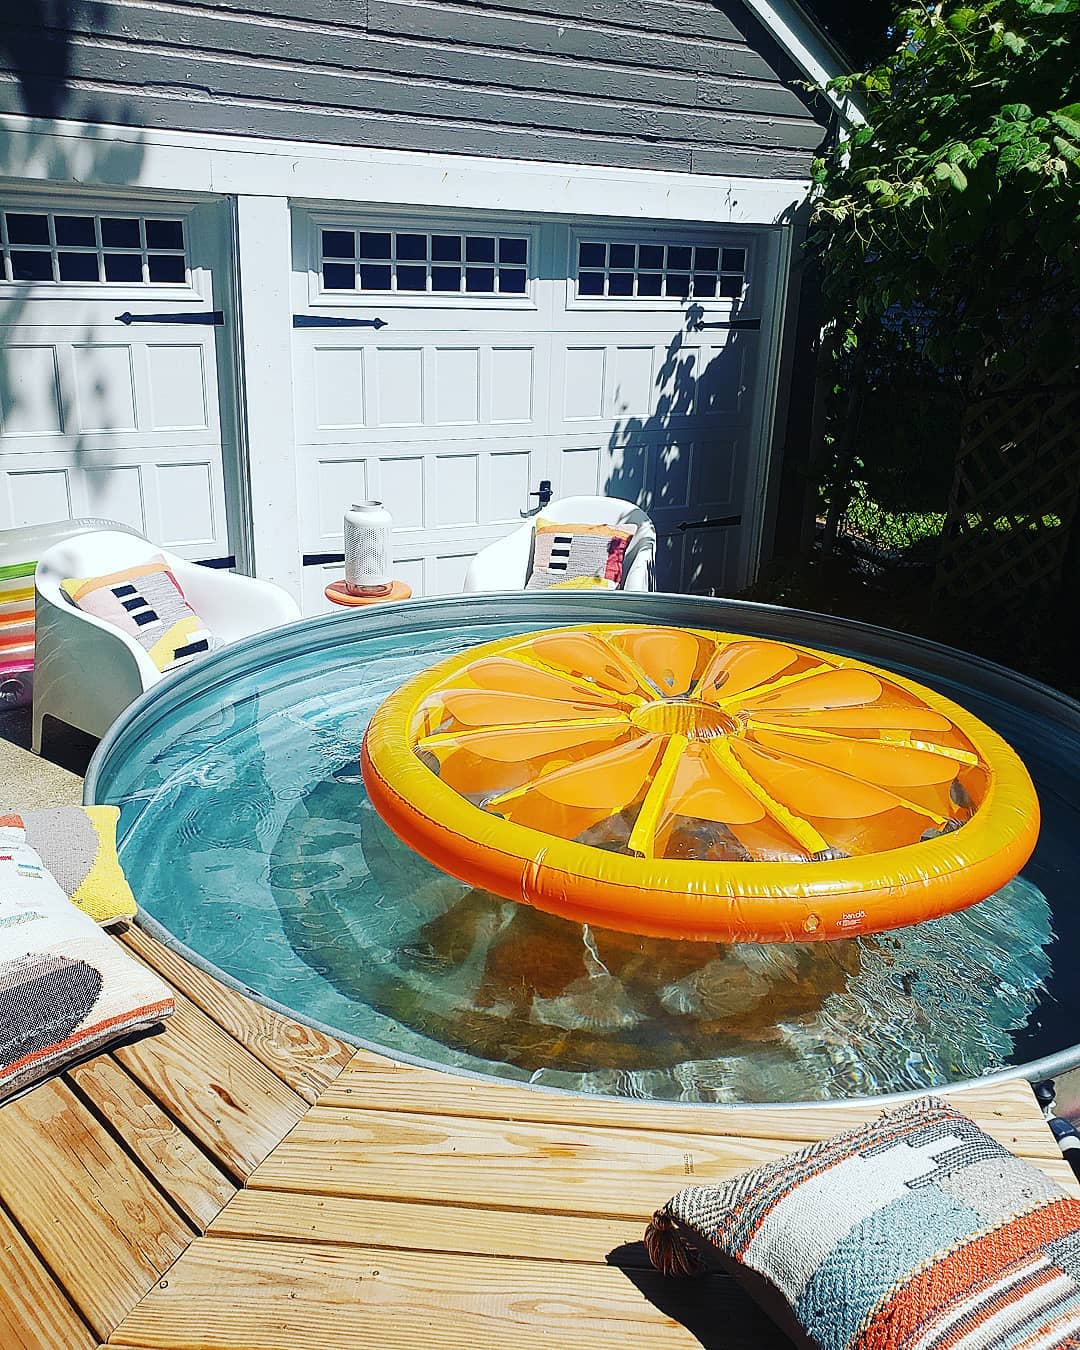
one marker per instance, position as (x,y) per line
(669,1252)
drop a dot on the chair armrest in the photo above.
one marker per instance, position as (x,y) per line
(640,574)
(234,606)
(503,565)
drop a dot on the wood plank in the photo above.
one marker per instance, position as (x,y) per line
(1008,1110)
(560,1167)
(566,37)
(34,1312)
(273,82)
(575,36)
(219,1092)
(177,1164)
(306,1059)
(352,1221)
(233,1295)
(97,1220)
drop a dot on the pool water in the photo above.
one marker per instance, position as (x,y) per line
(248,836)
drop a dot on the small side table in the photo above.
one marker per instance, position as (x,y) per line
(336,592)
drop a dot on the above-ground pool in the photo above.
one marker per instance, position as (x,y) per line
(251,845)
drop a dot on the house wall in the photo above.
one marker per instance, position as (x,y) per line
(690,86)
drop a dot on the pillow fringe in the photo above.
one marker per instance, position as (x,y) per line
(668,1250)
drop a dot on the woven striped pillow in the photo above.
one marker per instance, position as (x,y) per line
(915,1232)
(66,988)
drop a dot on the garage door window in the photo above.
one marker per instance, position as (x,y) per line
(378,261)
(53,246)
(616,269)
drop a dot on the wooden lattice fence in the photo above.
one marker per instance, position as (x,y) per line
(1013,509)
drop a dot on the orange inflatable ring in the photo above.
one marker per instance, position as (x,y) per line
(692,784)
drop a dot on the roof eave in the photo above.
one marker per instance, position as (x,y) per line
(808,46)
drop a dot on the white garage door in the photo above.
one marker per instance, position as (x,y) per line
(446,365)
(110,316)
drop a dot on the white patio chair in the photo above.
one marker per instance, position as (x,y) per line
(505,564)
(87,671)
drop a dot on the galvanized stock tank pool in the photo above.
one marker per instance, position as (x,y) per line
(252,848)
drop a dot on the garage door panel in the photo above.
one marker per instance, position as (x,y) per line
(512,385)
(117,494)
(178,502)
(402,390)
(723,379)
(178,387)
(35,495)
(430,488)
(31,400)
(104,387)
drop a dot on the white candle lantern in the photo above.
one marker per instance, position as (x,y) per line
(367,549)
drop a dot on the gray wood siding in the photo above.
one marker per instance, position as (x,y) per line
(686,85)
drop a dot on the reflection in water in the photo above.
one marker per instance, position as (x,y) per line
(248,835)
(653,1017)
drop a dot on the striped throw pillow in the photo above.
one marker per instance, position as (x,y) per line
(66,988)
(77,845)
(148,604)
(915,1232)
(564,553)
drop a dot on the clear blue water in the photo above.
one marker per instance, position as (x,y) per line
(247,833)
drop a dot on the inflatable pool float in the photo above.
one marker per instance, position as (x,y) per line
(684,783)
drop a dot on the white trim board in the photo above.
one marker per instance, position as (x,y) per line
(809,48)
(86,155)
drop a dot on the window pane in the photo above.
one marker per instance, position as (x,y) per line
(31,266)
(375,278)
(120,234)
(446,278)
(75,230)
(335,243)
(513,250)
(651,255)
(123,267)
(590,283)
(512,280)
(704,285)
(622,255)
(705,259)
(446,247)
(339,277)
(731,287)
(677,284)
(480,250)
(480,278)
(411,278)
(27,229)
(733,260)
(592,255)
(78,266)
(678,257)
(412,245)
(170,234)
(374,246)
(649,283)
(171,268)
(621,283)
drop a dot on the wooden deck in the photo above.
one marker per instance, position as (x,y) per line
(241,1182)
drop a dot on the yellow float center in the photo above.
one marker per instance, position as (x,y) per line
(688,717)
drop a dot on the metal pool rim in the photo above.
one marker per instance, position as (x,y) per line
(882,646)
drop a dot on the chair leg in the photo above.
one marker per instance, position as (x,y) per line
(37,726)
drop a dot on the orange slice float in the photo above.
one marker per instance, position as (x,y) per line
(702,785)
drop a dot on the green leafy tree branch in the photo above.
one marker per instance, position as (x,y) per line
(947,230)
